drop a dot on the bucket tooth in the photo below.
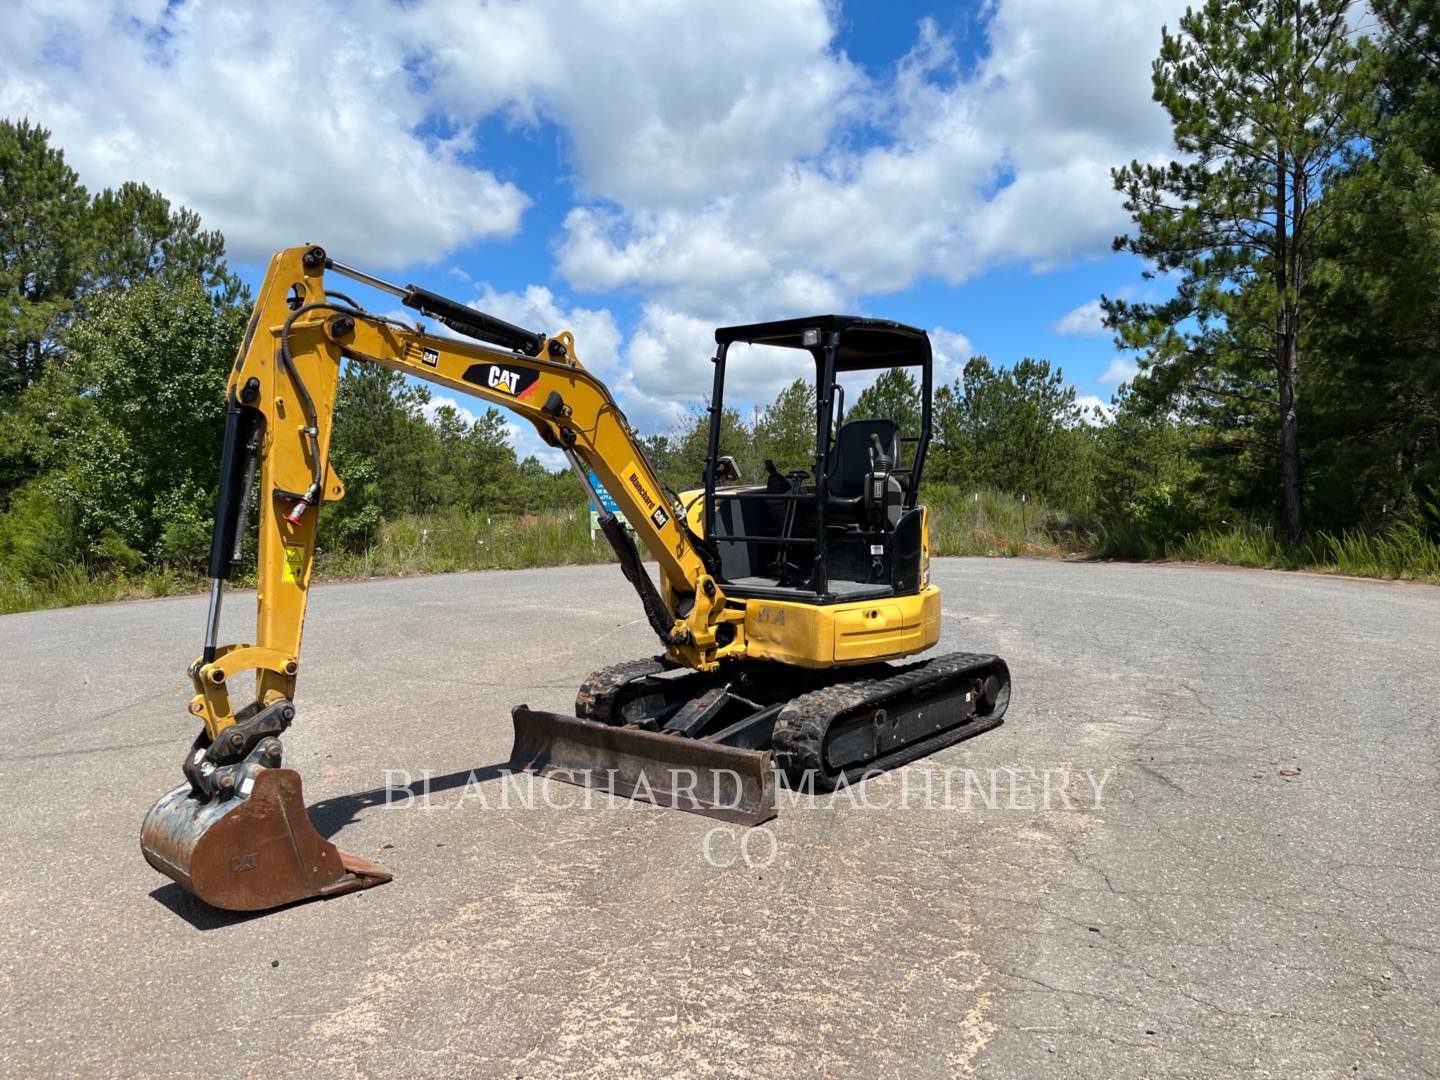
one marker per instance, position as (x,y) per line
(252,851)
(669,770)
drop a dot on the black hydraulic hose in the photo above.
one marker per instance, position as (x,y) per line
(661,621)
(333,294)
(307,403)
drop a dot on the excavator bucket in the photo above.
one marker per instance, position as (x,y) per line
(254,850)
(704,777)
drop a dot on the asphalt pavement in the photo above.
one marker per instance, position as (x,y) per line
(1210,849)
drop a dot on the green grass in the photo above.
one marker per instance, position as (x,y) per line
(440,544)
(75,585)
(994,523)
(1404,552)
(985,523)
(426,544)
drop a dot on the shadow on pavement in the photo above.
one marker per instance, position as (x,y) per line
(332,815)
(199,914)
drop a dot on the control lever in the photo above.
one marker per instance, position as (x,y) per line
(775,484)
(879,460)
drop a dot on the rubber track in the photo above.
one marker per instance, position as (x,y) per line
(801,727)
(595,700)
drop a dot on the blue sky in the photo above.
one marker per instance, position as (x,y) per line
(642,172)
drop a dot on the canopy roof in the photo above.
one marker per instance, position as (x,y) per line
(864,343)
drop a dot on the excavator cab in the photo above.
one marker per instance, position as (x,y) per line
(848,527)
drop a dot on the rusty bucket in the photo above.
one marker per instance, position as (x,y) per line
(253,850)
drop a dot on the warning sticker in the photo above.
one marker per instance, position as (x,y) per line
(294,565)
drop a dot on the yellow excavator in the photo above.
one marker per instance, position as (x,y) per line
(779,607)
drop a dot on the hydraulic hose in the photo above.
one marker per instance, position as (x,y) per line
(307,404)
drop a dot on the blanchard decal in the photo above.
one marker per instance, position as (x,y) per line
(430,357)
(657,512)
(517,382)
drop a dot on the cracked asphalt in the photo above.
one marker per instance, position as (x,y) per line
(1255,892)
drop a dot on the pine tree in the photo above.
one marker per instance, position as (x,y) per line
(895,395)
(1263,95)
(787,430)
(1005,428)
(1376,392)
(138,237)
(44,250)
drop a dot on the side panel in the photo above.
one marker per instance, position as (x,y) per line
(871,630)
(790,633)
(909,549)
(930,615)
(859,633)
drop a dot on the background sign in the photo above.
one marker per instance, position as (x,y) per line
(606,501)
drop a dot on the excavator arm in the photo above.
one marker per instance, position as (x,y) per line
(214,833)
(281,404)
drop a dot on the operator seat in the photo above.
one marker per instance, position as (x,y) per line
(848,465)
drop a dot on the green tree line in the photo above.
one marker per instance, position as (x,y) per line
(119,317)
(1286,332)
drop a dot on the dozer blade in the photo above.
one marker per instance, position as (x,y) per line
(251,851)
(669,770)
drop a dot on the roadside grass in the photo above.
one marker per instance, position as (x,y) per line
(419,544)
(984,523)
(77,585)
(997,524)
(441,544)
(1403,553)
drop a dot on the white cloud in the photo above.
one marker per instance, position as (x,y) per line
(1087,320)
(1120,370)
(725,153)
(597,337)
(729,161)
(279,129)
(669,370)
(1006,162)
(663,103)
(1089,404)
(951,351)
